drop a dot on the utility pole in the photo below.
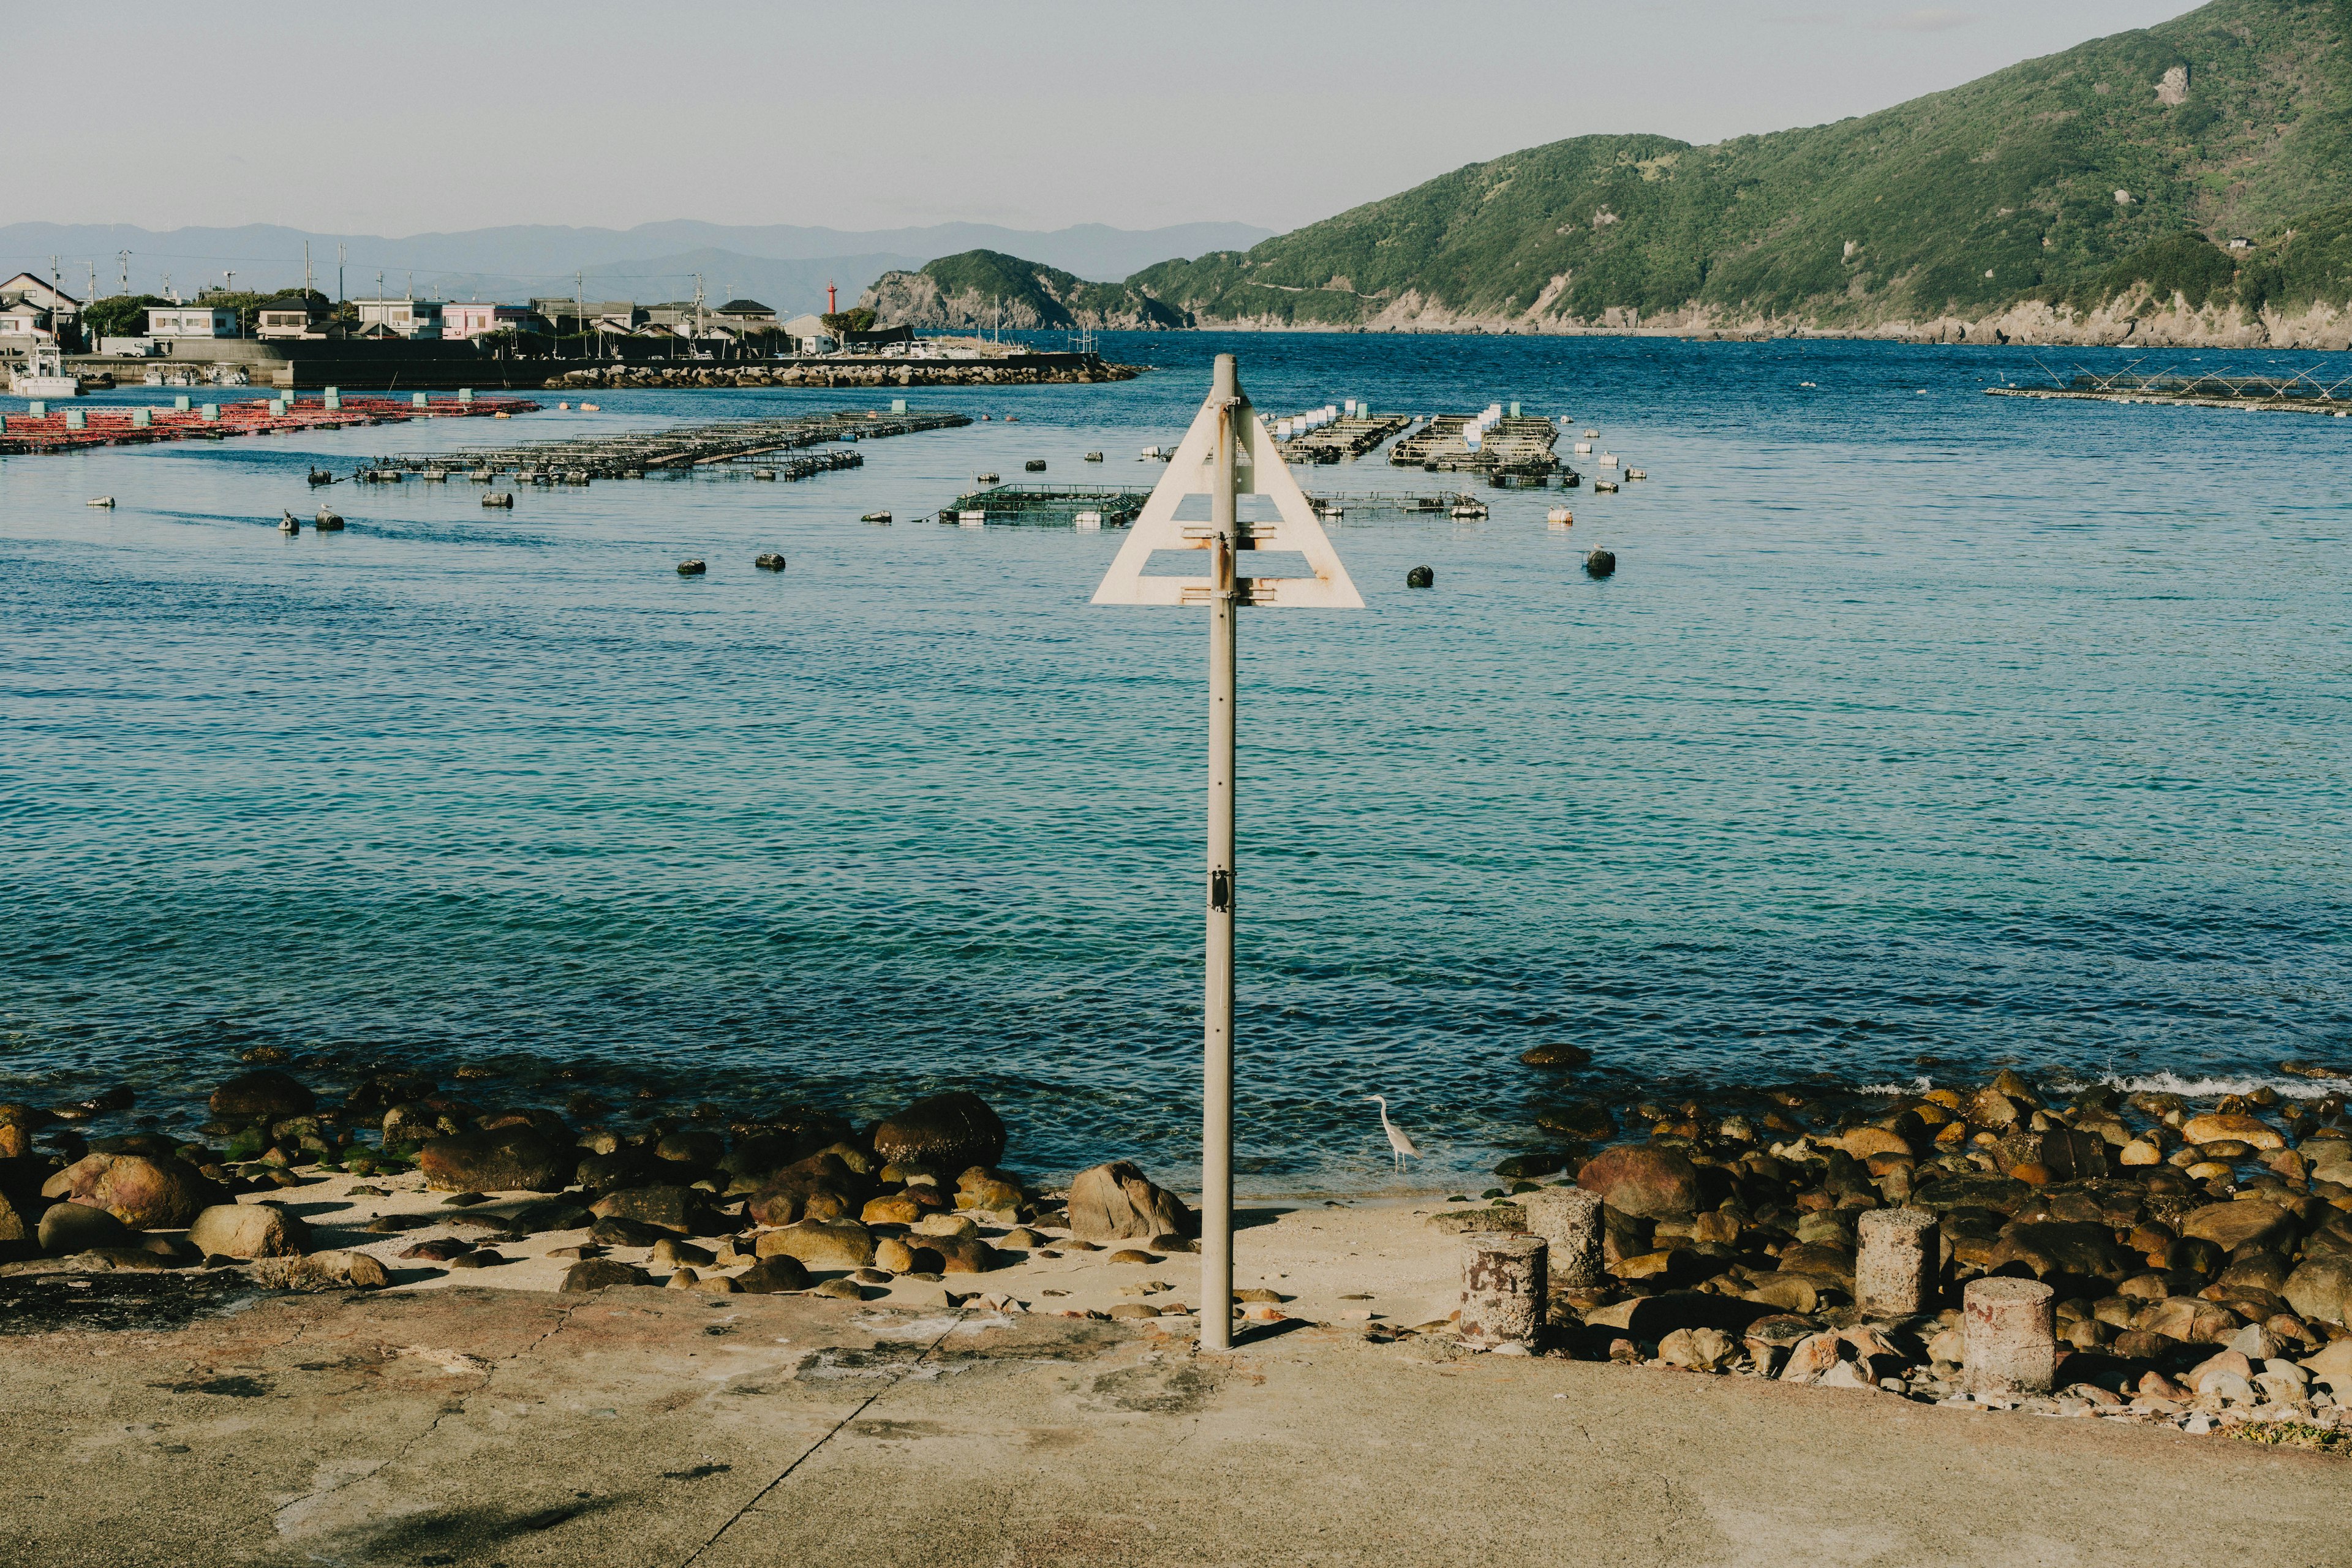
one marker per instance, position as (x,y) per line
(339,272)
(305,278)
(125,257)
(580,303)
(1226,437)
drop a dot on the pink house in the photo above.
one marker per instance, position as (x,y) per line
(475,321)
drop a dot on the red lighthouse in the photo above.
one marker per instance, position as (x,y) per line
(831,309)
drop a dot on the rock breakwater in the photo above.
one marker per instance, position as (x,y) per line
(1018,370)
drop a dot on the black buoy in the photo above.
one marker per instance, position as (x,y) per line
(1420,577)
(772,562)
(328,520)
(691,568)
(287,524)
(320,477)
(1600,563)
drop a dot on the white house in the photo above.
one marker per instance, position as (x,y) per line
(403,317)
(26,290)
(810,335)
(191,322)
(25,319)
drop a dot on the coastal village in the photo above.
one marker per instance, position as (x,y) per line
(54,344)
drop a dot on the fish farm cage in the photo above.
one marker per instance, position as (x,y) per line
(1051,506)
(683,449)
(1508,445)
(2177,385)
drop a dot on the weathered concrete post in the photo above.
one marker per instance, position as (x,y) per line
(1503,1290)
(1569,1218)
(1901,1252)
(2007,1338)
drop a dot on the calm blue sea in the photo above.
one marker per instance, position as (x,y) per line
(1915,724)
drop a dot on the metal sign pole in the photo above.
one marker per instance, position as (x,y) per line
(1217,1014)
(1226,438)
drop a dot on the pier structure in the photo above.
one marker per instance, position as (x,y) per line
(1510,445)
(136,424)
(685,449)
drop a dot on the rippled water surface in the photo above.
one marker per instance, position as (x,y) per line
(1915,723)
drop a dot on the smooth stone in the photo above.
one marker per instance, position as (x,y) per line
(262,1095)
(821,1244)
(772,1274)
(70,1228)
(249,1230)
(509,1158)
(601,1273)
(943,1131)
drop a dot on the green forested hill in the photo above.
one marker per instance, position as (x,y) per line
(2234,120)
(987,287)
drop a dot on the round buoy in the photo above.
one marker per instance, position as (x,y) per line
(772,562)
(287,524)
(329,521)
(1600,563)
(1420,577)
(691,568)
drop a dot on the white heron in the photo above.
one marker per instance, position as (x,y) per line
(1398,1141)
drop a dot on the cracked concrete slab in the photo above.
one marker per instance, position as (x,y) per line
(470,1426)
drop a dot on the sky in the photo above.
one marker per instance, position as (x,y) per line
(430,115)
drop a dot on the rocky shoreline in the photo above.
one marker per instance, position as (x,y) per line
(1028,370)
(2198,1257)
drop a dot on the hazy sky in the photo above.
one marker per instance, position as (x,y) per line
(395,119)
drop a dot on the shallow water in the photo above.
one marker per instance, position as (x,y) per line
(1914,723)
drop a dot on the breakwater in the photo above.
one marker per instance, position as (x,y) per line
(1011,370)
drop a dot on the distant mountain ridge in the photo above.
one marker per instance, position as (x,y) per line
(785,266)
(982,289)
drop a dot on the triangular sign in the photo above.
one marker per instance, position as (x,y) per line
(1258,469)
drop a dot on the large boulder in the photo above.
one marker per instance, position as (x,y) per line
(508,1159)
(17,1231)
(963,1254)
(143,1190)
(1115,1202)
(2232,1225)
(266,1095)
(249,1231)
(943,1132)
(1644,1180)
(2321,1289)
(601,1273)
(821,1244)
(673,1208)
(2215,1127)
(2061,1246)
(778,1271)
(78,1227)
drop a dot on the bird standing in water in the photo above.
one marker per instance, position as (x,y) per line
(1398,1141)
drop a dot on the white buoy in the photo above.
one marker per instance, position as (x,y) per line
(1584,446)
(972,519)
(1561,517)
(108,502)
(1089,521)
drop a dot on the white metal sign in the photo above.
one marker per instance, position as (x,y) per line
(1258,469)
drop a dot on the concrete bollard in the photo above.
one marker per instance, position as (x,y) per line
(1895,1275)
(1569,1218)
(1503,1290)
(2006,1337)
